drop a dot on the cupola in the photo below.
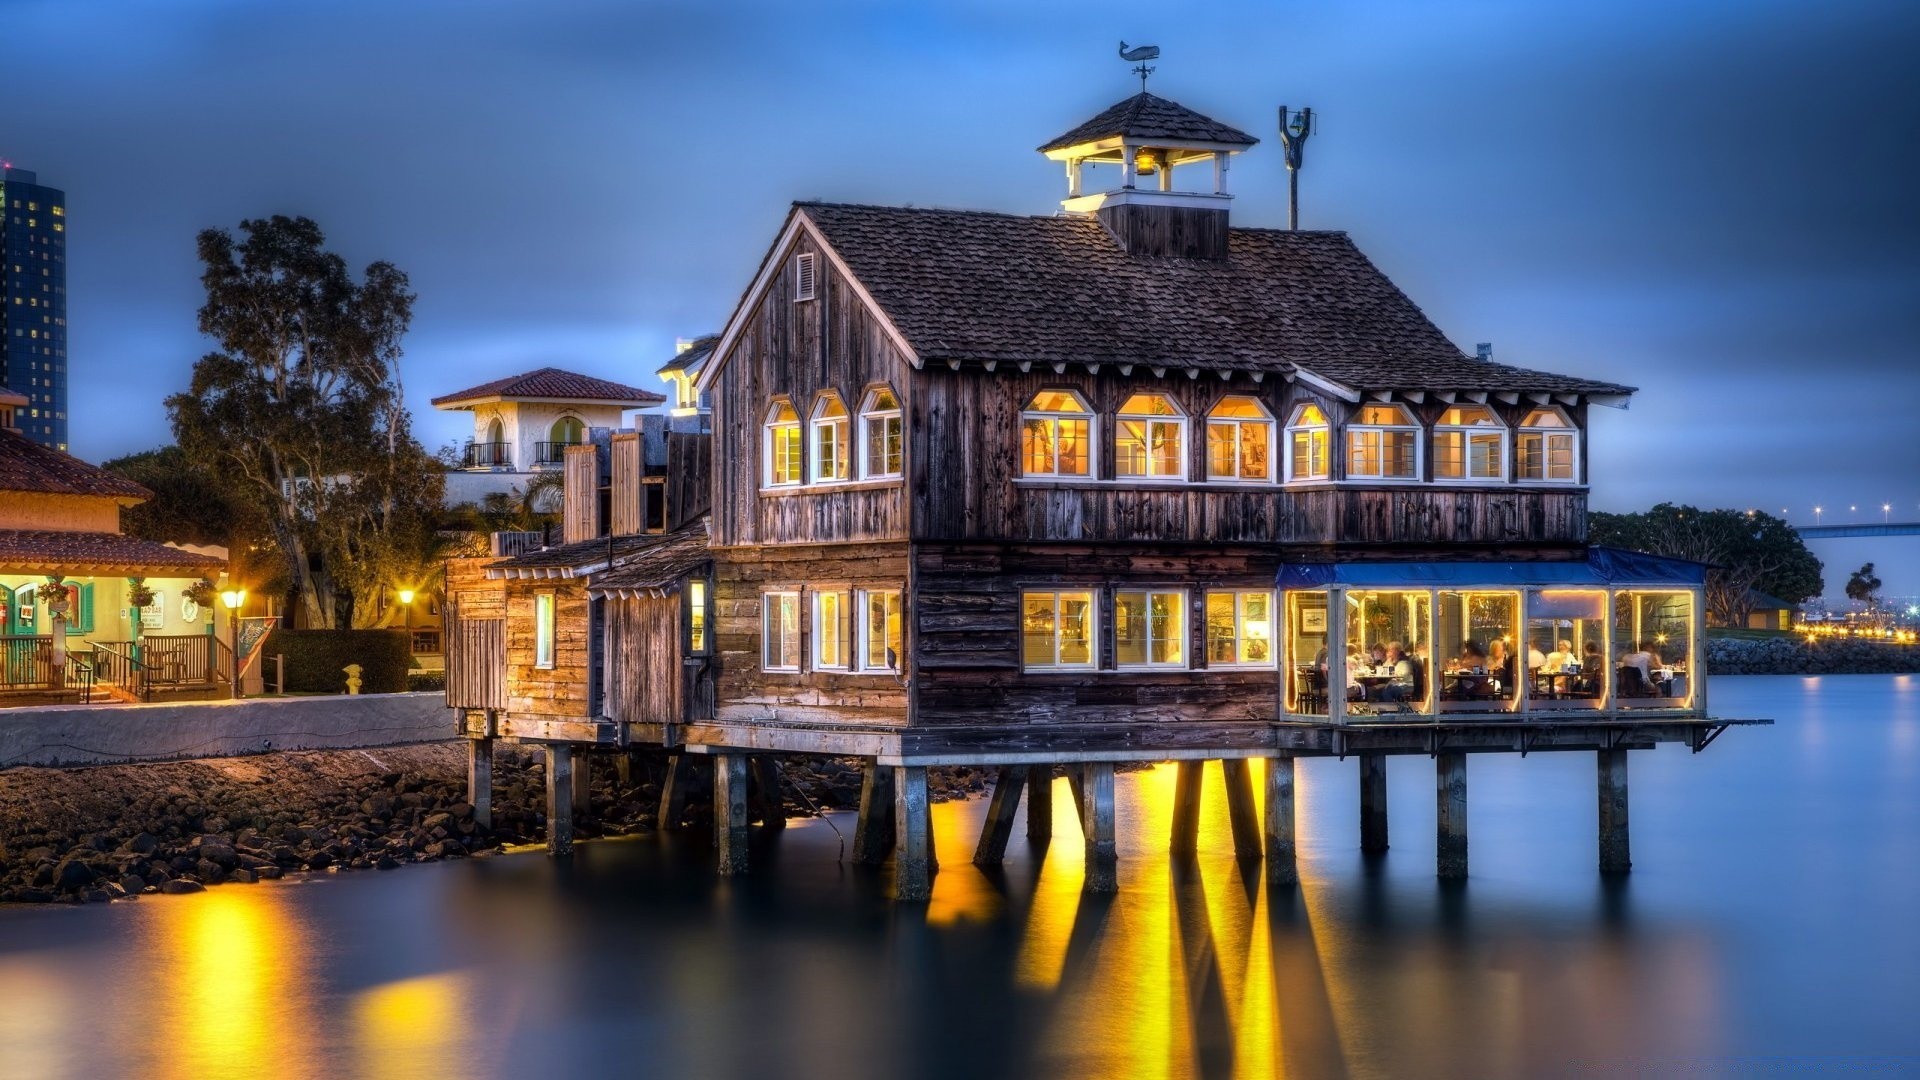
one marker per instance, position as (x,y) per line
(1149,138)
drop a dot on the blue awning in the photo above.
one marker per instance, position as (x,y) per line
(1603,567)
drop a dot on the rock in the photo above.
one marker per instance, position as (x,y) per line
(377,806)
(269,873)
(115,890)
(386,862)
(242,876)
(30,896)
(210,872)
(219,853)
(95,896)
(181,885)
(319,860)
(72,874)
(437,821)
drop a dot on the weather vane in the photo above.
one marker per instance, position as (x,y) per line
(1139,56)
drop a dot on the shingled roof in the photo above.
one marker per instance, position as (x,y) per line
(36,552)
(26,465)
(695,352)
(975,286)
(1144,116)
(658,566)
(571,560)
(552,383)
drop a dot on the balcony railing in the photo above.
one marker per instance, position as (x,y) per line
(488,455)
(551,453)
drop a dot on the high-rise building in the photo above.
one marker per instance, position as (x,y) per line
(33,303)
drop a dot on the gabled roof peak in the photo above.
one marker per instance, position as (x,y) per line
(1144,117)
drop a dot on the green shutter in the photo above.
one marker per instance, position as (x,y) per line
(81,618)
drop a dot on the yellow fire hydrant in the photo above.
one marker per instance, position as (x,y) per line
(353,678)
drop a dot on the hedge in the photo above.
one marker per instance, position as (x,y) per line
(316,659)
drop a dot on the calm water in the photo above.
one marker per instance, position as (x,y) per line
(1772,924)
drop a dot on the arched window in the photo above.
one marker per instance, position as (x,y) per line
(1239,440)
(882,436)
(568,431)
(1150,441)
(1383,443)
(829,440)
(1056,435)
(496,431)
(1547,448)
(1307,444)
(1469,445)
(782,450)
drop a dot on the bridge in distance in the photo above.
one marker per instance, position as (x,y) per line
(1858,528)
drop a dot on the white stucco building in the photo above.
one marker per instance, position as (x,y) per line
(523,424)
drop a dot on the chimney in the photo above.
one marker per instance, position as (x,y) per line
(1485,351)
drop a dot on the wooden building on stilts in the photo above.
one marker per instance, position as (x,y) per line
(1050,493)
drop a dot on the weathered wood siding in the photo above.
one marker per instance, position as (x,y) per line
(689,477)
(744,692)
(475,636)
(627,508)
(800,350)
(580,508)
(561,690)
(644,669)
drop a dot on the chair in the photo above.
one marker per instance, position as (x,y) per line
(1633,684)
(1312,693)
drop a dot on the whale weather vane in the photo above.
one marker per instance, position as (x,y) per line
(1139,56)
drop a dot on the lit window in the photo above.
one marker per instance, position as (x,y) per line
(1150,439)
(832,630)
(696,616)
(1056,435)
(543,647)
(1056,630)
(1240,629)
(1382,444)
(780,631)
(1545,447)
(1239,440)
(1307,444)
(829,440)
(568,431)
(783,456)
(880,630)
(881,435)
(803,282)
(1469,443)
(1150,629)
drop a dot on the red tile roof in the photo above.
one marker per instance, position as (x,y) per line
(551,382)
(75,553)
(26,465)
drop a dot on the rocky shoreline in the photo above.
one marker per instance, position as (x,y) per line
(119,831)
(1795,656)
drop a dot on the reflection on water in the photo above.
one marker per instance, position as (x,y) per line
(1775,876)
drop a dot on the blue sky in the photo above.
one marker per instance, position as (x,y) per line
(1711,201)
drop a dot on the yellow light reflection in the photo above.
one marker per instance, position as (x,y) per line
(410,1028)
(237,998)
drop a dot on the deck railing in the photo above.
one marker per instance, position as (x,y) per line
(26,663)
(186,660)
(114,665)
(551,453)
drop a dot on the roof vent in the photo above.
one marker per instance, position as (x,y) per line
(803,276)
(1485,351)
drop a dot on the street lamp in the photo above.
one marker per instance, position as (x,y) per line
(1886,512)
(1816,515)
(233,598)
(406,601)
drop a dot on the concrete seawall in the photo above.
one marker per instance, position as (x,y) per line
(104,734)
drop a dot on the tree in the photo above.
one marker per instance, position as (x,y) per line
(189,505)
(300,415)
(1863,586)
(1746,552)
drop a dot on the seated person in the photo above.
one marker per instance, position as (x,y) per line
(1400,676)
(1642,662)
(1377,656)
(1536,660)
(1418,661)
(1473,661)
(1500,663)
(1561,656)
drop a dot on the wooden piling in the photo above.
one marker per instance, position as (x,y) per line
(1005,805)
(1373,803)
(1039,804)
(913,840)
(1615,856)
(730,812)
(1281,866)
(873,831)
(480,780)
(1096,813)
(1450,788)
(582,787)
(766,781)
(1240,809)
(1186,809)
(559,799)
(673,792)
(623,768)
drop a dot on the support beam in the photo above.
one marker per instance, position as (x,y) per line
(673,792)
(623,768)
(480,780)
(998,828)
(1186,809)
(913,841)
(1240,810)
(1615,857)
(873,831)
(1039,803)
(559,799)
(766,781)
(582,784)
(730,812)
(1096,812)
(1281,866)
(1450,790)
(1373,803)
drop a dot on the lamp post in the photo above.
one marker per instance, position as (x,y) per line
(406,602)
(1816,516)
(1886,512)
(233,598)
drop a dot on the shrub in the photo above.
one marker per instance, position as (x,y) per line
(315,659)
(427,680)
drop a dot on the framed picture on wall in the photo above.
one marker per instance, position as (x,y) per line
(154,615)
(1313,620)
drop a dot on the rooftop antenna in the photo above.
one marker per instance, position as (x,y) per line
(1293,136)
(1139,57)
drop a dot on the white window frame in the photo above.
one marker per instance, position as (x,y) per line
(870,415)
(1239,598)
(1570,432)
(699,617)
(769,425)
(1085,414)
(863,630)
(1466,433)
(842,628)
(839,429)
(1093,629)
(1295,424)
(1239,424)
(1378,432)
(769,603)
(1184,636)
(1177,421)
(806,282)
(545,616)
